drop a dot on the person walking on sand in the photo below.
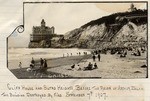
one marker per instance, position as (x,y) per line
(94,57)
(45,66)
(99,57)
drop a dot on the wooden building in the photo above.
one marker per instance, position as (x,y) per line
(42,32)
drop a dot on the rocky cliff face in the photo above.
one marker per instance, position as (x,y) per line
(116,30)
(41,44)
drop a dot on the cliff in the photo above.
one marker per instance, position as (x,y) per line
(53,42)
(116,30)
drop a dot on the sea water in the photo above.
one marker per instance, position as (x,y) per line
(24,55)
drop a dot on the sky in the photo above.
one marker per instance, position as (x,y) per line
(63,16)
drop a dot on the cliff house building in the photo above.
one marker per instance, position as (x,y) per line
(42,32)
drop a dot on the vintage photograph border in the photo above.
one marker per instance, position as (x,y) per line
(21,28)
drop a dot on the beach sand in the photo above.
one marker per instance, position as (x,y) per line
(110,67)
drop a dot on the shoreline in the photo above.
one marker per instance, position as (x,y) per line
(25,55)
(110,67)
(52,63)
(61,61)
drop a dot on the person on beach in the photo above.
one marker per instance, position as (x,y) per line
(89,67)
(67,54)
(99,51)
(41,62)
(78,67)
(45,63)
(44,68)
(96,52)
(99,57)
(41,67)
(85,53)
(138,52)
(73,66)
(20,65)
(79,53)
(32,63)
(29,69)
(94,57)
(95,66)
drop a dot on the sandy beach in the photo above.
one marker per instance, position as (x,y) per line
(110,67)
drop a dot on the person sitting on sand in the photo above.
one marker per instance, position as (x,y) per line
(73,66)
(78,67)
(136,53)
(89,67)
(29,69)
(95,66)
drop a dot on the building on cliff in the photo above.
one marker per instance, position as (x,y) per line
(42,32)
(43,36)
(132,8)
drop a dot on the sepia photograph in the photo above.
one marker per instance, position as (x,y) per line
(69,40)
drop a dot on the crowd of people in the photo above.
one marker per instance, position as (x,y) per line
(98,56)
(42,68)
(71,54)
(90,66)
(122,52)
(95,56)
